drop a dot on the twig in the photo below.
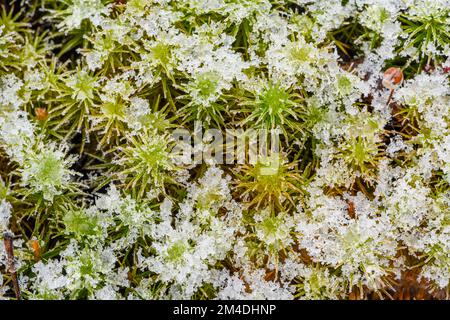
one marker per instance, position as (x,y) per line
(11,263)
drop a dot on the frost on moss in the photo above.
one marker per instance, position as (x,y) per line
(353,202)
